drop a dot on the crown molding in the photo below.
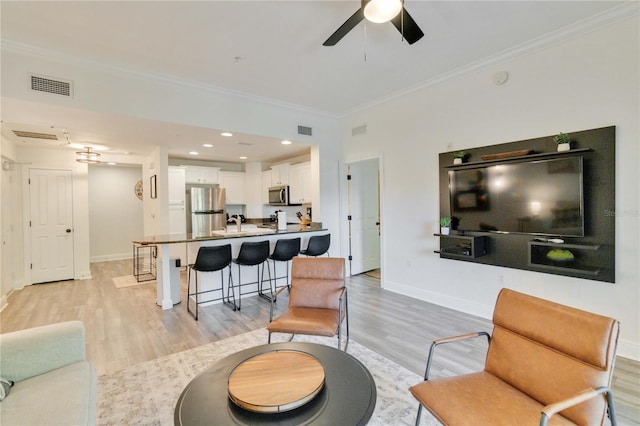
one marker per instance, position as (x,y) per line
(628,9)
(25,49)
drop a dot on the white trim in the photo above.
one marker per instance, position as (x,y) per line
(118,70)
(627,9)
(344,204)
(569,32)
(109,257)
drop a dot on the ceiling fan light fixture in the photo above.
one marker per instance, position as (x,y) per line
(379,11)
(87,156)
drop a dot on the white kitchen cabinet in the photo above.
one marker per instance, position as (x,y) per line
(234,183)
(202,174)
(266,184)
(300,183)
(280,174)
(176,185)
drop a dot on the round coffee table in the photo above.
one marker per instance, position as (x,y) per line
(347,398)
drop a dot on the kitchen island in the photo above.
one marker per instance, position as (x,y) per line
(230,236)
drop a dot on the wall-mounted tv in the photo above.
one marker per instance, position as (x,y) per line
(540,197)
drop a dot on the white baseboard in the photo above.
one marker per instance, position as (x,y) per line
(462,305)
(626,348)
(105,258)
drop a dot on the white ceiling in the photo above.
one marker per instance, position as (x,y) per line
(270,49)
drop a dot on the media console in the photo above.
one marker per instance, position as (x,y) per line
(461,246)
(588,255)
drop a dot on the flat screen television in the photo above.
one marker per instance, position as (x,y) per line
(539,197)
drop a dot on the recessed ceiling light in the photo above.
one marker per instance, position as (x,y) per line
(243,158)
(227,134)
(193,153)
(286,142)
(207,145)
(111,164)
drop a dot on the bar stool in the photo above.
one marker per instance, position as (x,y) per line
(284,251)
(318,245)
(253,254)
(211,259)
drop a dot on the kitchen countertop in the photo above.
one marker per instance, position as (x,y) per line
(255,232)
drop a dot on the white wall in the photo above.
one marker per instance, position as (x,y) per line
(11,266)
(115,212)
(588,82)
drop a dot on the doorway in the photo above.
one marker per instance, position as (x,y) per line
(363,193)
(51,225)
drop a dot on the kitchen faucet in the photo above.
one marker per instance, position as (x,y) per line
(238,222)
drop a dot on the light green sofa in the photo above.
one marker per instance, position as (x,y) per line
(54,383)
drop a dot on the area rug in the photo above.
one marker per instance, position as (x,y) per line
(128,281)
(146,394)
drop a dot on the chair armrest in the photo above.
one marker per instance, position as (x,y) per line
(35,351)
(556,407)
(438,342)
(342,303)
(280,290)
(273,300)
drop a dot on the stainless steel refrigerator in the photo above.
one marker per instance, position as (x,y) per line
(206,209)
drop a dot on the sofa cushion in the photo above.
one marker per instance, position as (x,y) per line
(65,396)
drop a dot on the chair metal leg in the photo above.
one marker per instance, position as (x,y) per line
(231,290)
(239,288)
(419,413)
(196,275)
(188,288)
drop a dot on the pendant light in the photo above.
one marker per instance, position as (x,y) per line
(87,156)
(379,11)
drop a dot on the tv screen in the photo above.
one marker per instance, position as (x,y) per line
(536,197)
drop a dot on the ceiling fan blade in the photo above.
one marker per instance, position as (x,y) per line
(345,28)
(412,31)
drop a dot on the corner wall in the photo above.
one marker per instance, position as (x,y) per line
(115,211)
(583,83)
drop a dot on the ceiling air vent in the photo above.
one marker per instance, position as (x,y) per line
(304,130)
(35,135)
(360,130)
(49,85)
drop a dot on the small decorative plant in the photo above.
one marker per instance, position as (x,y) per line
(458,157)
(563,141)
(445,223)
(561,138)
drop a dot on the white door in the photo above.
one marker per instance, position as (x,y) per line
(364,203)
(51,225)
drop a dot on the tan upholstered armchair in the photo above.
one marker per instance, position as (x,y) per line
(317,300)
(544,360)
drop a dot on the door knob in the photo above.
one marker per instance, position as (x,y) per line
(68,230)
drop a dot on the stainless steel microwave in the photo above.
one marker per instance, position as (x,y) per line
(279,195)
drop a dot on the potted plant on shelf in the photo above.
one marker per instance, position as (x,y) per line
(445,223)
(458,157)
(563,141)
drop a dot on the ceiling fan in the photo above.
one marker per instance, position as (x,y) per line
(379,11)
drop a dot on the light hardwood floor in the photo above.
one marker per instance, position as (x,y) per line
(125,326)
